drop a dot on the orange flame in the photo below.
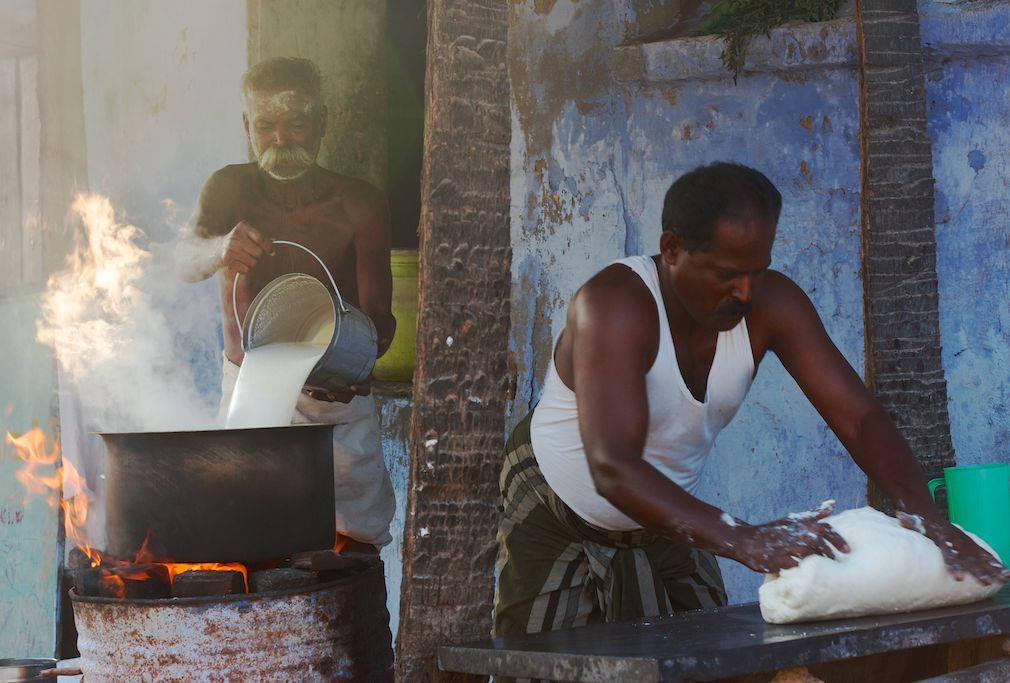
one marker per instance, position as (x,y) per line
(46,474)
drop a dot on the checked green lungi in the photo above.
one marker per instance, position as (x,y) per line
(555,570)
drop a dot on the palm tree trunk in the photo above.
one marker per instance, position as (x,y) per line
(903,362)
(462,380)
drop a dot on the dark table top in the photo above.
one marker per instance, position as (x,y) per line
(708,645)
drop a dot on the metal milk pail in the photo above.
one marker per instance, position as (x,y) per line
(299,308)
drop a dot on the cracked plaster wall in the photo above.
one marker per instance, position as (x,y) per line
(592,156)
(968,100)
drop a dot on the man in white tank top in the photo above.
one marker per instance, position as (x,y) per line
(599,522)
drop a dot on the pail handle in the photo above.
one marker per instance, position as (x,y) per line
(234,284)
(934,484)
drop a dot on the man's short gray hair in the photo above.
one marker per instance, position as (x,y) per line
(281,73)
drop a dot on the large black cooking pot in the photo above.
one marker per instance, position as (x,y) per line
(230,495)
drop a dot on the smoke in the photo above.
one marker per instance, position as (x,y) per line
(137,345)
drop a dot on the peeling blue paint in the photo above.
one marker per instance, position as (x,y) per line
(976,159)
(970,122)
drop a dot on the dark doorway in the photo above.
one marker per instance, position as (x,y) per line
(407,31)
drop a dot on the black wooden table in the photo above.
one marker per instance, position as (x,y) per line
(709,645)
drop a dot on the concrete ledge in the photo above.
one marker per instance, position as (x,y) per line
(829,44)
(948,30)
(966,30)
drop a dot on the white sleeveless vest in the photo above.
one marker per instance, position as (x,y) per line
(681,429)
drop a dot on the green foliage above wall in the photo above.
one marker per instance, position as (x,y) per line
(737,21)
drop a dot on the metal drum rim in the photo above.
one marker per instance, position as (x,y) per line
(217,599)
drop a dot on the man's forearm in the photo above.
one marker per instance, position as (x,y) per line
(640,491)
(883,454)
(385,327)
(198,258)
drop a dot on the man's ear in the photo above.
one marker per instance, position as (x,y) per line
(245,122)
(671,247)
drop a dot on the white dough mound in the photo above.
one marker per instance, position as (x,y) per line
(888,569)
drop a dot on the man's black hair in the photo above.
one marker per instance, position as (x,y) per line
(697,199)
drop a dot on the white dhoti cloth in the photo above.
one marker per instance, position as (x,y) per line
(363,492)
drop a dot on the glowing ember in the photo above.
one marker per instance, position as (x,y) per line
(176,568)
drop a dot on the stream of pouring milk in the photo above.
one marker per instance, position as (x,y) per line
(269,383)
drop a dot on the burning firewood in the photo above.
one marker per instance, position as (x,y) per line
(145,581)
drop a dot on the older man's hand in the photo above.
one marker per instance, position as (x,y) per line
(243,247)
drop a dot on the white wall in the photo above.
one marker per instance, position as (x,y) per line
(161,100)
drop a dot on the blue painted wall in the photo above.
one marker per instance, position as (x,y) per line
(599,134)
(28,526)
(968,89)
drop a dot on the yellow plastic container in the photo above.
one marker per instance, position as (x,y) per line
(397,364)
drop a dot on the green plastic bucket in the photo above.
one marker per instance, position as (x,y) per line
(397,364)
(978,499)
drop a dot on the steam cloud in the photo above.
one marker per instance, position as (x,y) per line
(134,342)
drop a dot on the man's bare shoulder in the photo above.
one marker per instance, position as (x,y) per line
(227,186)
(781,307)
(231,176)
(616,296)
(779,294)
(354,192)
(222,195)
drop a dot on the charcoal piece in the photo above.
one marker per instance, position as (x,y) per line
(77,559)
(200,582)
(280,579)
(86,581)
(135,581)
(333,561)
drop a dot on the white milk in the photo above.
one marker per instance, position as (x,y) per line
(269,384)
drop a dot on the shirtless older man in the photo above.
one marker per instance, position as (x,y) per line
(286,195)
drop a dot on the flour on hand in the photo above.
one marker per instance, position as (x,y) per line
(889,569)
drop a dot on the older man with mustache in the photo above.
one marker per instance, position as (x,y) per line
(286,195)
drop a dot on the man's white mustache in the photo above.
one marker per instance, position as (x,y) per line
(292,155)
